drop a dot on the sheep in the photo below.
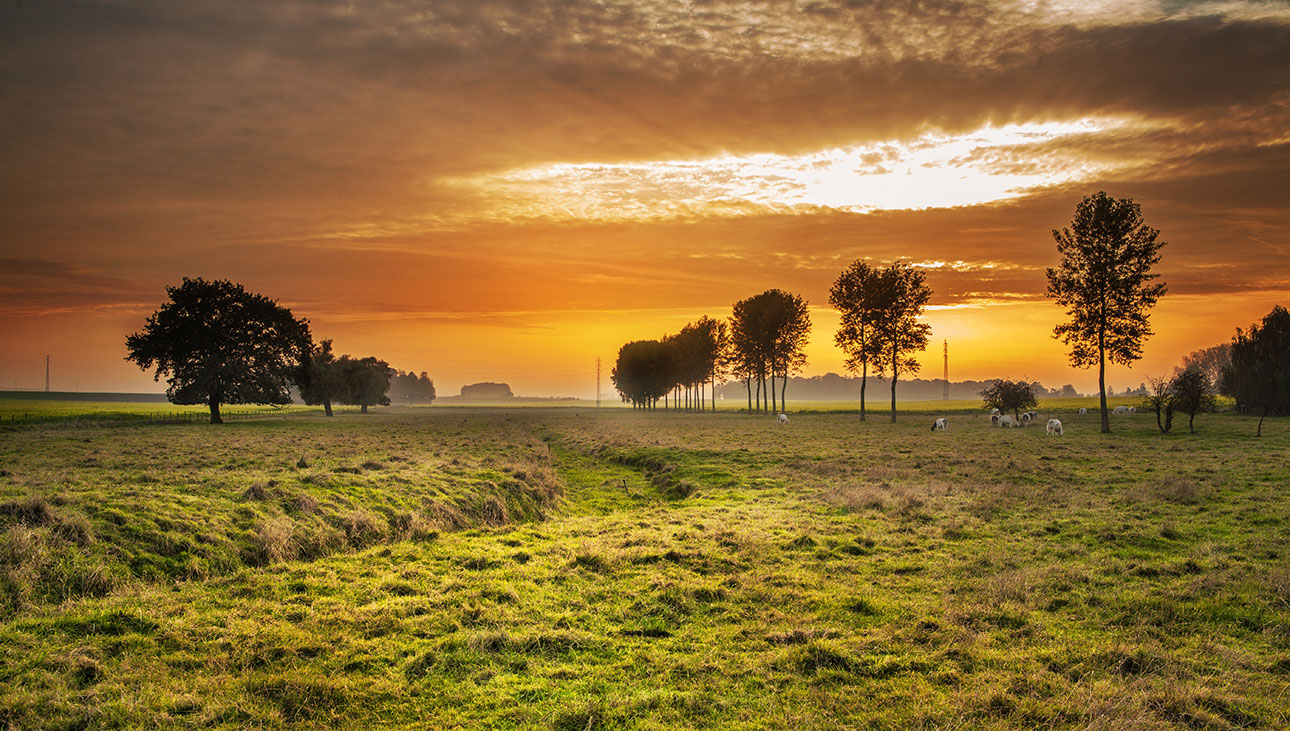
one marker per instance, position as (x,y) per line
(1132,410)
(996,420)
(1120,410)
(1054,428)
(1082,411)
(994,412)
(939,424)
(1028,417)
(1007,420)
(782,418)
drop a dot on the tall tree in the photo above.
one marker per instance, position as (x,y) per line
(768,333)
(899,335)
(219,344)
(1104,281)
(1259,376)
(320,380)
(855,295)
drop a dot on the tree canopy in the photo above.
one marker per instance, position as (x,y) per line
(218,344)
(1104,281)
(768,335)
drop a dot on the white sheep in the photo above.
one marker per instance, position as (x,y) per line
(940,424)
(1082,411)
(1008,421)
(1054,428)
(782,418)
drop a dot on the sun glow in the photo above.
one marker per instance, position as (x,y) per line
(935,170)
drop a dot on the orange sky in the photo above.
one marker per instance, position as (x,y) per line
(505,190)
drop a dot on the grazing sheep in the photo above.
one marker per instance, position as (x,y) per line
(1008,421)
(939,424)
(1082,411)
(1132,410)
(1054,427)
(994,412)
(1028,417)
(1120,410)
(996,420)
(782,418)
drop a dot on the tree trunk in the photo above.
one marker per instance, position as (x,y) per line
(894,375)
(364,409)
(1259,431)
(783,388)
(774,406)
(748,388)
(1191,418)
(214,403)
(327,406)
(864,377)
(1101,380)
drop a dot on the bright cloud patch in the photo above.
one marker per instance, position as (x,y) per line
(931,171)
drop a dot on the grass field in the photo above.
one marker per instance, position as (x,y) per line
(572,568)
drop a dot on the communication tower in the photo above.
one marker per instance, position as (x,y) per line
(945,395)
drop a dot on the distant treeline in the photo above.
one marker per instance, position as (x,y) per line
(834,387)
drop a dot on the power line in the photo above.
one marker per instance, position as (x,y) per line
(46,373)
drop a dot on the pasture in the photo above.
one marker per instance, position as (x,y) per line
(581,568)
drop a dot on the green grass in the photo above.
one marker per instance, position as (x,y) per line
(649,570)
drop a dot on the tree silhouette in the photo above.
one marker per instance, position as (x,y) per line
(899,336)
(768,334)
(1193,394)
(1103,281)
(1161,398)
(643,373)
(1259,376)
(219,344)
(412,388)
(367,381)
(855,294)
(320,380)
(1009,396)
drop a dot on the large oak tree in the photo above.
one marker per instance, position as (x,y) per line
(218,344)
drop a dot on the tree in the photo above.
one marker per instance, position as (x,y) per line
(320,380)
(902,295)
(412,388)
(1009,396)
(1104,282)
(1210,361)
(1161,399)
(642,373)
(1259,376)
(367,381)
(855,296)
(1193,394)
(219,344)
(768,334)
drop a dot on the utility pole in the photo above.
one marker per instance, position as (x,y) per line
(945,396)
(597,381)
(46,373)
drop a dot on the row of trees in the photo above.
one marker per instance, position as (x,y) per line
(675,368)
(217,343)
(763,343)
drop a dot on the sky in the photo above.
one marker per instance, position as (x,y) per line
(508,189)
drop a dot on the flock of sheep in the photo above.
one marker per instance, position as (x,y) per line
(1054,428)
